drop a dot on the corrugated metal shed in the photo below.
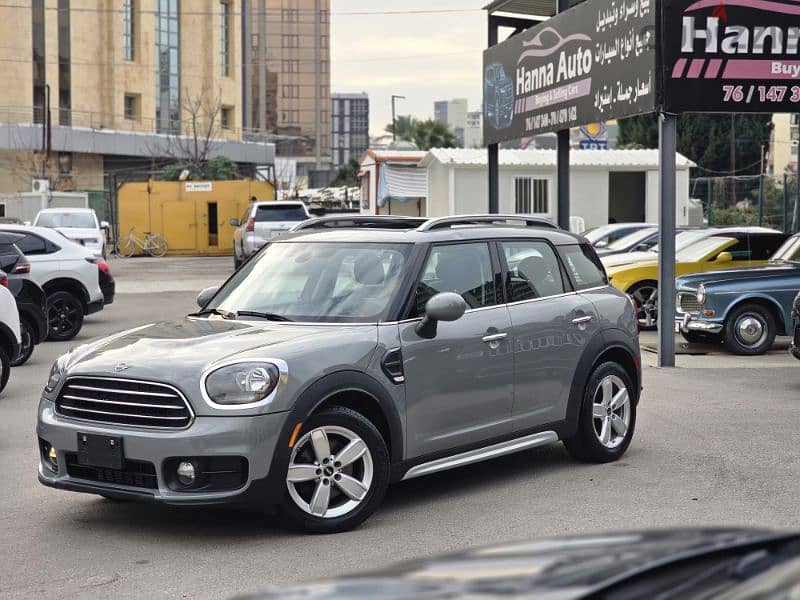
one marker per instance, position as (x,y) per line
(533,8)
(630,159)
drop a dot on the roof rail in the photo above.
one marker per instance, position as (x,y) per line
(360,221)
(456,220)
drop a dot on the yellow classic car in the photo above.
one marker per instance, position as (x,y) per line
(640,279)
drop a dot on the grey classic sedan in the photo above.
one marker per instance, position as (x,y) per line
(338,361)
(744,308)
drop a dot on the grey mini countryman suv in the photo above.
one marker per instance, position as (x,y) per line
(340,360)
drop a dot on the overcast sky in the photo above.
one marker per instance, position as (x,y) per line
(424,57)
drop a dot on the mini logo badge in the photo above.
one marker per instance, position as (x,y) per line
(121,367)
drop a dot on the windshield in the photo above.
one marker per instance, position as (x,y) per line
(684,239)
(266,213)
(789,251)
(632,239)
(333,282)
(78,220)
(702,248)
(597,234)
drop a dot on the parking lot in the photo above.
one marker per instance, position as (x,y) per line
(716,444)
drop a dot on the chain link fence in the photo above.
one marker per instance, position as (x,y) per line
(767,200)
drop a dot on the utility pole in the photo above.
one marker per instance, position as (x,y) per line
(394,118)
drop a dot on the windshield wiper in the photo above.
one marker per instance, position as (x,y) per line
(225,314)
(261,315)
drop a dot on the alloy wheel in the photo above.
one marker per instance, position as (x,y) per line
(611,411)
(646,298)
(330,472)
(63,315)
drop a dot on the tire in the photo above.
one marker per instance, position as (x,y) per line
(5,368)
(236,262)
(339,428)
(157,246)
(587,444)
(750,330)
(645,296)
(701,337)
(126,247)
(64,316)
(26,345)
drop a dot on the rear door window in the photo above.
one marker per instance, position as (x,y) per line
(533,270)
(267,213)
(764,245)
(32,245)
(583,266)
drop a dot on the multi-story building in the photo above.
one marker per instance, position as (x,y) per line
(473,132)
(129,84)
(287,81)
(349,127)
(454,114)
(784,143)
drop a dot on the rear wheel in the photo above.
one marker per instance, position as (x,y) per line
(25,345)
(157,246)
(607,416)
(645,295)
(337,474)
(750,330)
(64,316)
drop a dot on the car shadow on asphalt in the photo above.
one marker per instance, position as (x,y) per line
(240,523)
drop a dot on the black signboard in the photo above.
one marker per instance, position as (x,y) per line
(731,55)
(592,63)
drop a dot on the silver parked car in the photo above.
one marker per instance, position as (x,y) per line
(337,361)
(261,223)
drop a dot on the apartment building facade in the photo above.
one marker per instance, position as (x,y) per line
(454,114)
(129,83)
(349,127)
(287,81)
(785,143)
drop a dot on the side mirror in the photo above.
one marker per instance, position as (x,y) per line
(724,257)
(234,222)
(105,225)
(641,248)
(206,295)
(601,244)
(445,306)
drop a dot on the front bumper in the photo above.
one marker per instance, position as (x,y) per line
(253,438)
(691,323)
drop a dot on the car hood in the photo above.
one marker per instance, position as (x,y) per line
(79,233)
(568,567)
(741,274)
(193,344)
(627,259)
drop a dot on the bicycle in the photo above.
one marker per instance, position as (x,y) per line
(154,244)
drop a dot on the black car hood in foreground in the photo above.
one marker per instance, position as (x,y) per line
(646,563)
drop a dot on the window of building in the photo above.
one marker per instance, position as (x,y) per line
(796,119)
(291,66)
(64,163)
(168,110)
(226,117)
(224,38)
(291,91)
(131,107)
(531,196)
(324,16)
(324,67)
(290,15)
(291,40)
(128,30)
(323,41)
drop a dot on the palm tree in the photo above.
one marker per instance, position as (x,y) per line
(404,124)
(432,134)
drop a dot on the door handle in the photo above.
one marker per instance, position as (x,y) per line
(495,337)
(581,320)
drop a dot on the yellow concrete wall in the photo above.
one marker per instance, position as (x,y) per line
(182,216)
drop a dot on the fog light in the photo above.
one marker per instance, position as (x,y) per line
(709,312)
(49,456)
(186,473)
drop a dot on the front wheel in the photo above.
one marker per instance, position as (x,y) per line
(126,247)
(64,316)
(607,416)
(645,296)
(750,330)
(157,246)
(337,474)
(25,346)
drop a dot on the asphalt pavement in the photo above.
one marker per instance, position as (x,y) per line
(716,444)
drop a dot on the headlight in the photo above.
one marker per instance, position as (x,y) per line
(242,383)
(56,373)
(701,294)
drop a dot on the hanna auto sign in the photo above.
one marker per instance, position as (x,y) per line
(608,59)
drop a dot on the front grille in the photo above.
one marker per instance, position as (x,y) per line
(124,402)
(134,473)
(688,304)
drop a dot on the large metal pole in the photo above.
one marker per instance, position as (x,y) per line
(493,150)
(562,161)
(667,147)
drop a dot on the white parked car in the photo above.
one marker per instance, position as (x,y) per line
(67,272)
(78,224)
(261,223)
(9,331)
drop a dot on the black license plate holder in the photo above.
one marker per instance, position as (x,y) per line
(104,451)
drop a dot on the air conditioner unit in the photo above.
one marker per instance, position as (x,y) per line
(40,186)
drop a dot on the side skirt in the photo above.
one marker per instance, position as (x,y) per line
(480,454)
